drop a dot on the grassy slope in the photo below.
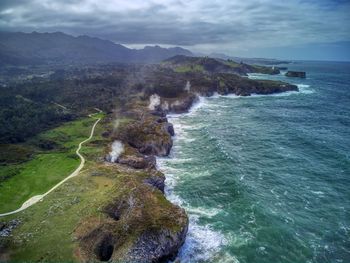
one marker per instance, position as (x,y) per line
(49,230)
(45,169)
(46,228)
(189,68)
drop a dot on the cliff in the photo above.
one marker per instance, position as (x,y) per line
(181,63)
(115,210)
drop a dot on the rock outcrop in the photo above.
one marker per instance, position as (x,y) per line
(139,225)
(296,74)
(138,162)
(181,104)
(157,246)
(149,136)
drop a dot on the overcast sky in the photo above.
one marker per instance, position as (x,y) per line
(296,29)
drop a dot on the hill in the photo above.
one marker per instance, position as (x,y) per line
(17,48)
(182,63)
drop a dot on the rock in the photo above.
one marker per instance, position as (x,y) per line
(158,112)
(108,158)
(140,225)
(162,119)
(6,228)
(296,74)
(156,181)
(157,246)
(182,104)
(149,137)
(138,162)
(106,134)
(169,128)
(156,147)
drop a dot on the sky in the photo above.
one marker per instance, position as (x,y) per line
(288,29)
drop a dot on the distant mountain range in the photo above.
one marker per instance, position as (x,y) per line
(17,48)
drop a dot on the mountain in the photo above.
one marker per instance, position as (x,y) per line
(17,48)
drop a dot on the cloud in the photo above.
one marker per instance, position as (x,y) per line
(219,25)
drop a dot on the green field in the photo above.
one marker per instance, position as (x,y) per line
(45,168)
(189,68)
(47,228)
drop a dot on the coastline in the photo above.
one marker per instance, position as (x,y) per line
(196,238)
(249,168)
(136,222)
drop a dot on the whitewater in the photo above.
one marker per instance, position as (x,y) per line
(265,178)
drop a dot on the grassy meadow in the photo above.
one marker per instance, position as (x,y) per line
(52,157)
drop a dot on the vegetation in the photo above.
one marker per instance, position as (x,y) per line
(189,68)
(48,164)
(44,120)
(88,203)
(37,105)
(214,65)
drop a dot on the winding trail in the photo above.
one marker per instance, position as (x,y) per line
(33,200)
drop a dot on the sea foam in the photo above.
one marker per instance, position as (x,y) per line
(202,242)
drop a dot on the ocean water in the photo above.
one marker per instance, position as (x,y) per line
(267,178)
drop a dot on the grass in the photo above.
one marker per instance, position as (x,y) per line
(232,64)
(51,230)
(189,68)
(47,228)
(46,232)
(46,168)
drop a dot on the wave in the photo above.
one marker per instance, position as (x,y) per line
(202,243)
(305,89)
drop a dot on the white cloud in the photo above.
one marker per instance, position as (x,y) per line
(203,25)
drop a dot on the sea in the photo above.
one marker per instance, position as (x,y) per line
(266,178)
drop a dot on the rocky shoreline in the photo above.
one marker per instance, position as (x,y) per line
(127,217)
(148,136)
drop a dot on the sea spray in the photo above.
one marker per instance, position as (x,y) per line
(117,150)
(188,86)
(154,101)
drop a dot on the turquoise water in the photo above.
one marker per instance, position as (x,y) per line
(267,178)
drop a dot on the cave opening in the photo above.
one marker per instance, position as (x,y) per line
(105,249)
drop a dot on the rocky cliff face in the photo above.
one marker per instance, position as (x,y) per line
(149,136)
(138,225)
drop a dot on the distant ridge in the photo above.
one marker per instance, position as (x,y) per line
(17,48)
(263,61)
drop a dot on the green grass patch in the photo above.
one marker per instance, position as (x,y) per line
(232,64)
(47,228)
(189,68)
(50,231)
(46,168)
(14,153)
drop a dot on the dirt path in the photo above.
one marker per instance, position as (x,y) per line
(33,200)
